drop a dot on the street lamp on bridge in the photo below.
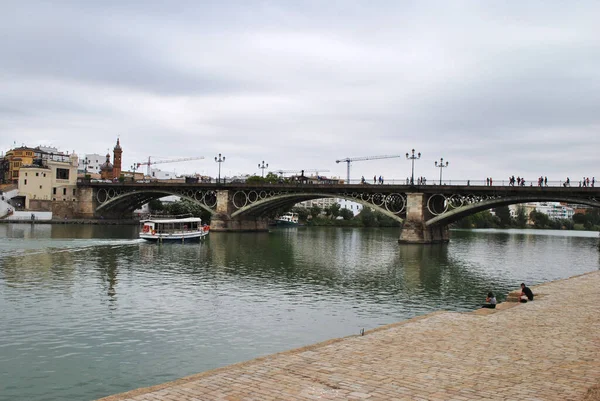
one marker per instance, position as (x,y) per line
(263,167)
(85,163)
(413,158)
(134,167)
(441,165)
(220,160)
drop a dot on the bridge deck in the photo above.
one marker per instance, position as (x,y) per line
(544,350)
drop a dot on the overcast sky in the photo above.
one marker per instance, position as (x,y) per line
(494,87)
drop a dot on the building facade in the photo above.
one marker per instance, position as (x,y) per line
(49,179)
(90,164)
(323,203)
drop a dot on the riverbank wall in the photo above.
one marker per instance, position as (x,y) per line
(71,221)
(547,349)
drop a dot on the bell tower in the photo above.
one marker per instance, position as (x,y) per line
(117,152)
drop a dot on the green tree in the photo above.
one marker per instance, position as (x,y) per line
(302,213)
(367,217)
(539,219)
(155,205)
(579,218)
(521,219)
(346,214)
(315,211)
(504,217)
(333,211)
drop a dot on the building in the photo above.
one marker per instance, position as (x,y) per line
(323,203)
(90,164)
(162,175)
(14,159)
(48,179)
(354,207)
(112,171)
(556,211)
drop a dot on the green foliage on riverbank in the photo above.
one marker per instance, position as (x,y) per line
(183,206)
(502,219)
(366,218)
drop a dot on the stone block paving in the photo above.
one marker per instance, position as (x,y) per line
(547,349)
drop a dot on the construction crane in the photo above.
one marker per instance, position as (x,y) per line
(149,163)
(349,160)
(282,172)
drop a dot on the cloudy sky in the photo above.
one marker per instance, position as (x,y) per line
(494,87)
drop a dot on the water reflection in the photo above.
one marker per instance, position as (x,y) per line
(81,305)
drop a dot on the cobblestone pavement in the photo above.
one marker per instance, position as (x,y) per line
(547,349)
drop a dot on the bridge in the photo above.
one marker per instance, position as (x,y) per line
(425,210)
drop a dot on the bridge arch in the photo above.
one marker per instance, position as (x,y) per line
(467,210)
(261,206)
(126,202)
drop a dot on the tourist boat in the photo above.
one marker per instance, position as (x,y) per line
(173,229)
(288,219)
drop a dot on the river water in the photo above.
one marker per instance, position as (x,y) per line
(88,311)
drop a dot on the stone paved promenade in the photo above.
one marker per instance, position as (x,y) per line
(548,349)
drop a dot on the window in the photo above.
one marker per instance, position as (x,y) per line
(64,191)
(44,174)
(54,191)
(26,181)
(74,191)
(62,174)
(37,174)
(25,174)
(40,187)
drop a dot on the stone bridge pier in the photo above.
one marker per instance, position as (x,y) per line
(222,219)
(415,229)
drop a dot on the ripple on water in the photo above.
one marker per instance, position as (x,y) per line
(90,317)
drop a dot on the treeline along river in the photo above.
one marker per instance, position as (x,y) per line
(88,311)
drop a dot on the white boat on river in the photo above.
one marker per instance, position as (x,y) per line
(173,229)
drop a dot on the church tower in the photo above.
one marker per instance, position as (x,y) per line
(117,152)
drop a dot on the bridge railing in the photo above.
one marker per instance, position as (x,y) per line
(394,181)
(463,182)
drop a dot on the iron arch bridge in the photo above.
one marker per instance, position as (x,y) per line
(425,210)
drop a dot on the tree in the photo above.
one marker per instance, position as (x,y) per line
(521,219)
(579,218)
(155,205)
(504,217)
(334,210)
(302,213)
(346,214)
(540,220)
(315,211)
(367,217)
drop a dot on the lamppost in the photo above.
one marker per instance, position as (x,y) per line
(413,158)
(441,165)
(134,167)
(220,160)
(263,167)
(85,163)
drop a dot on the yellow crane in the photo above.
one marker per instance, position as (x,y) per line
(150,162)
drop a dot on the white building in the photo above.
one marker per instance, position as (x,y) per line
(323,203)
(93,160)
(162,175)
(354,207)
(555,210)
